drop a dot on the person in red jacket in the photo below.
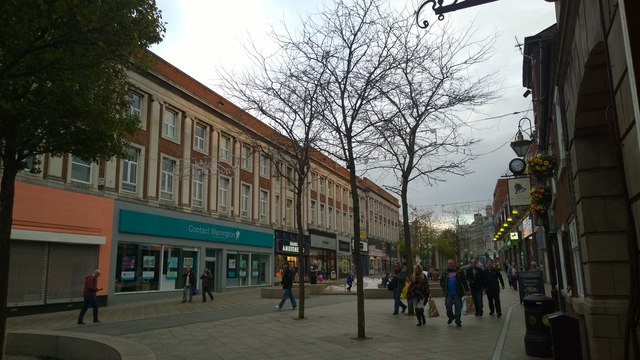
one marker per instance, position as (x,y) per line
(90,290)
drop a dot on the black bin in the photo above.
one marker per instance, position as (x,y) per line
(537,340)
(565,336)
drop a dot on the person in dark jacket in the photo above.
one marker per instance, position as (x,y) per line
(475,277)
(492,276)
(419,293)
(89,293)
(189,282)
(455,286)
(397,283)
(207,280)
(287,284)
(349,282)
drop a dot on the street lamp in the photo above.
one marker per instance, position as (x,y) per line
(520,145)
(440,9)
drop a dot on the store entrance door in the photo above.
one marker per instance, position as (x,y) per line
(210,263)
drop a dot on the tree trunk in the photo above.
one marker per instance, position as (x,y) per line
(407,233)
(302,268)
(7,195)
(356,251)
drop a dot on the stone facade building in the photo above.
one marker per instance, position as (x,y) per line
(583,75)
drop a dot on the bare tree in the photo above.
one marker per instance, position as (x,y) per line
(420,134)
(286,92)
(350,41)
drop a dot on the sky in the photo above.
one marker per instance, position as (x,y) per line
(206,36)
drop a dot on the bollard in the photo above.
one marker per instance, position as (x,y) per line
(537,340)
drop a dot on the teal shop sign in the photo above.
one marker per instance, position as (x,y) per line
(149,224)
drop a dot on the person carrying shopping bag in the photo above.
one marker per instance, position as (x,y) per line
(397,284)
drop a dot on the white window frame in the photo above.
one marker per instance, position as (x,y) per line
(197,187)
(167,178)
(264,205)
(330,217)
(30,163)
(289,214)
(312,213)
(136,111)
(224,184)
(314,182)
(322,185)
(577,258)
(200,141)
(290,178)
(345,221)
(278,208)
(321,216)
(264,166)
(330,188)
(245,200)
(224,152)
(77,162)
(246,157)
(130,167)
(170,123)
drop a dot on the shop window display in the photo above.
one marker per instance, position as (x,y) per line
(149,267)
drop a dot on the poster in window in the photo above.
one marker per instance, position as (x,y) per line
(128,262)
(172,275)
(148,275)
(127,275)
(232,264)
(172,262)
(149,261)
(188,262)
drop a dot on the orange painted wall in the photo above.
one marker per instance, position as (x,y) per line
(40,208)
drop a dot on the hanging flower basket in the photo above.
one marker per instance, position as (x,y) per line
(540,199)
(541,166)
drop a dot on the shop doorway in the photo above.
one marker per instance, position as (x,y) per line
(210,263)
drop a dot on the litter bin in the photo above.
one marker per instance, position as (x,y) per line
(565,336)
(537,340)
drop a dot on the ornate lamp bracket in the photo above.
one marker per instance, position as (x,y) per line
(440,9)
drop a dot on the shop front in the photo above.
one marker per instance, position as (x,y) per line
(153,247)
(287,249)
(323,253)
(58,237)
(377,261)
(344,256)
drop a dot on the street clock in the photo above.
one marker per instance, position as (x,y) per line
(517,166)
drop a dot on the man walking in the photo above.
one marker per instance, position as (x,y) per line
(492,276)
(455,286)
(189,282)
(89,293)
(475,276)
(287,284)
(397,282)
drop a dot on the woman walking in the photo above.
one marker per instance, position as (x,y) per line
(419,293)
(513,272)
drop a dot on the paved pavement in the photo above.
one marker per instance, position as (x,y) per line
(240,324)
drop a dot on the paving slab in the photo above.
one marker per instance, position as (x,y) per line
(241,324)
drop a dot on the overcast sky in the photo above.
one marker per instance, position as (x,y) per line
(205,35)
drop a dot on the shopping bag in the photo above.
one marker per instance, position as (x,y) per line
(471,307)
(405,290)
(433,310)
(194,291)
